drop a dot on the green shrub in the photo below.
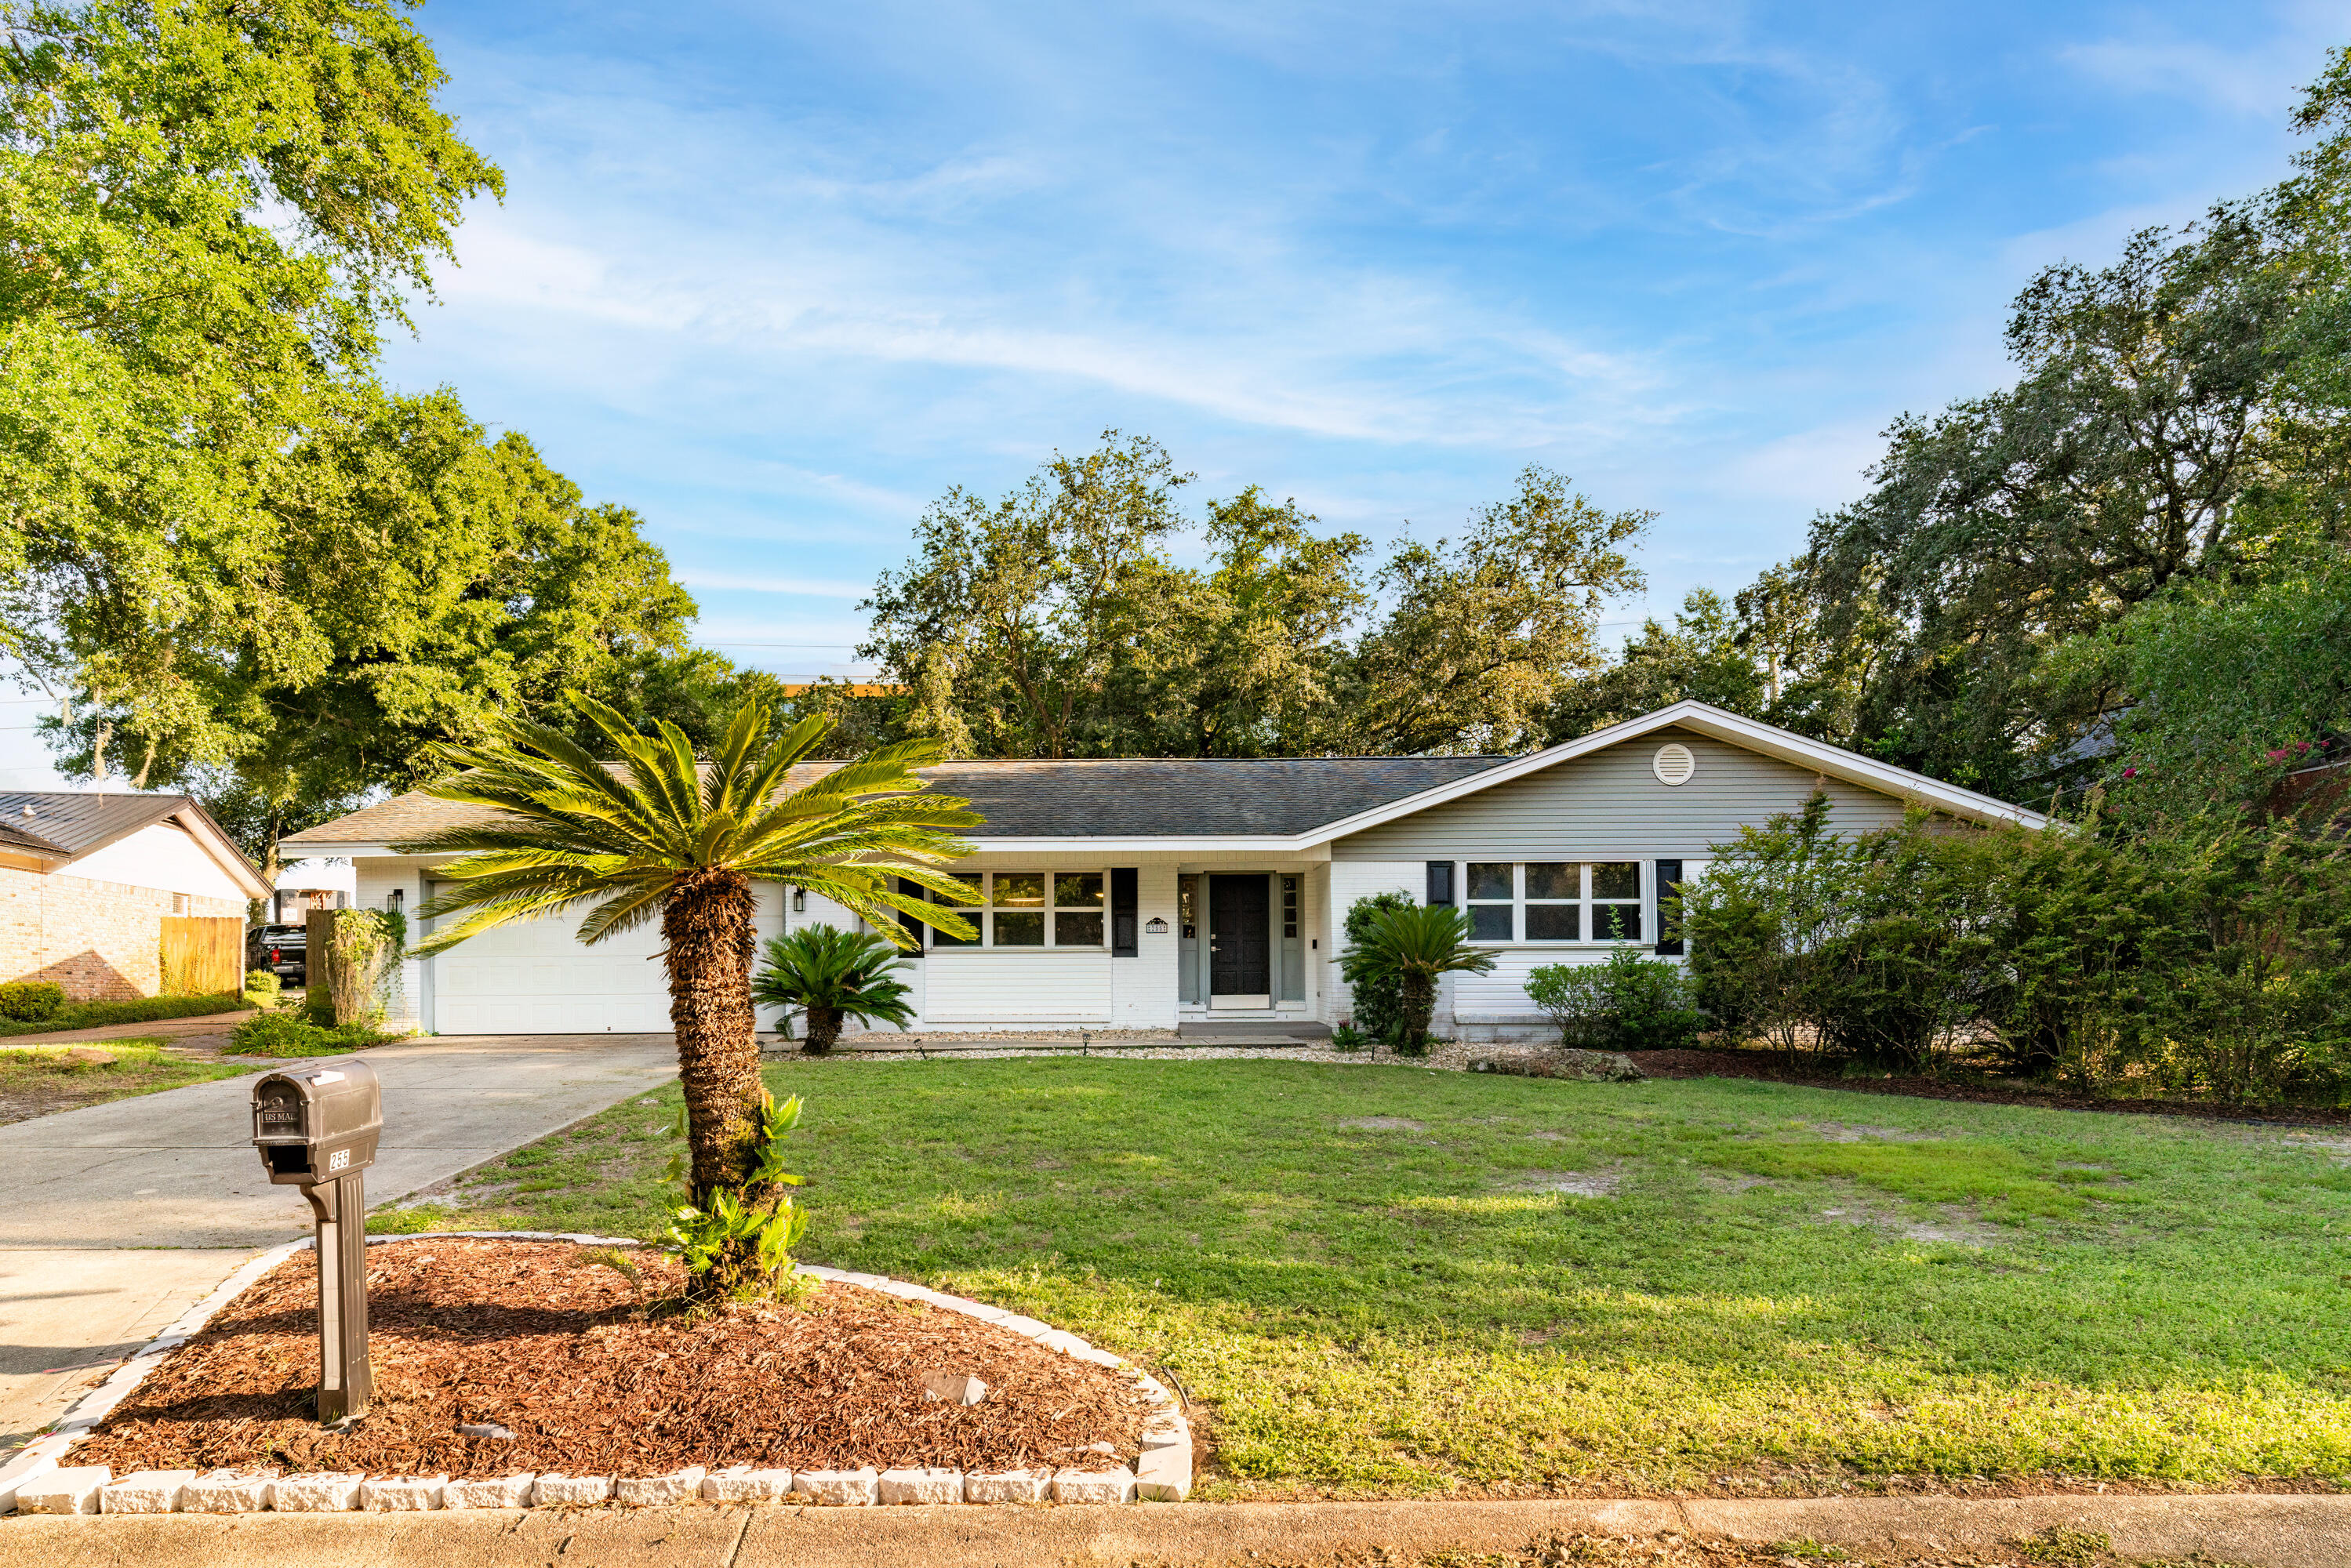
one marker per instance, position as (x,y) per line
(263,985)
(1575,997)
(1347,1037)
(1628,1003)
(101,1014)
(30,1001)
(283,1034)
(1378,995)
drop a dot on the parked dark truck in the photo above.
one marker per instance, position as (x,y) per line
(283,950)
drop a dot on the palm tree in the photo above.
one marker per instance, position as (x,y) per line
(1414,945)
(833,974)
(659,836)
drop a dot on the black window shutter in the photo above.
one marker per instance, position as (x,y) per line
(1670,907)
(1440,882)
(1122,912)
(907,922)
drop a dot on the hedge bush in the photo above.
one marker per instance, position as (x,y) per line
(101,1015)
(2208,954)
(30,1001)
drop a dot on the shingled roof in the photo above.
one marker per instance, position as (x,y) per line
(1121,797)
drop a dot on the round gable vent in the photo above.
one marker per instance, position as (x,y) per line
(1674,763)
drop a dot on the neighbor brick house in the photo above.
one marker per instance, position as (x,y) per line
(86,881)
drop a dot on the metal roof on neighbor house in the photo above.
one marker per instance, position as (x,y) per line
(1105,798)
(61,822)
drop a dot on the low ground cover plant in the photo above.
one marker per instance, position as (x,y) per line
(286,1034)
(145,1009)
(1381,1281)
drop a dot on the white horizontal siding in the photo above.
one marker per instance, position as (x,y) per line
(1609,806)
(1039,986)
(1349,881)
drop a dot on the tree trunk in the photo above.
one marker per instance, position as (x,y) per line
(1419,1006)
(824,1029)
(706,922)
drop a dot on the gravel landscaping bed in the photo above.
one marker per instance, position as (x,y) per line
(540,1340)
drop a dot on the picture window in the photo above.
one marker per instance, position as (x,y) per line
(1028,909)
(1554,901)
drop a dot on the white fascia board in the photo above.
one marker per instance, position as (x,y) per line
(1719,724)
(1307,847)
(1177,846)
(218,846)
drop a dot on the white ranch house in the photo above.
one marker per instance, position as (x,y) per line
(1160,893)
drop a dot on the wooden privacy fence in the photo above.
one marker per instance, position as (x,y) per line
(202,955)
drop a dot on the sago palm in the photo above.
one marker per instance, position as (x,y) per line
(1414,945)
(659,835)
(832,974)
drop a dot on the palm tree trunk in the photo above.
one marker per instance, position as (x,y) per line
(1419,1006)
(824,1029)
(707,925)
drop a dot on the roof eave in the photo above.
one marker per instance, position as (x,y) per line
(1719,724)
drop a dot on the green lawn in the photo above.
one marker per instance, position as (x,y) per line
(39,1080)
(1785,1287)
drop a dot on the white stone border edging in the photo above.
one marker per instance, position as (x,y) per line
(35,1480)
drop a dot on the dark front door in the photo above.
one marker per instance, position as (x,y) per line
(1237,930)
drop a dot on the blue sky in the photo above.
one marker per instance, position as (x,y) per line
(777,277)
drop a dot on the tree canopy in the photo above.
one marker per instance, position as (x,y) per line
(1056,621)
(211,212)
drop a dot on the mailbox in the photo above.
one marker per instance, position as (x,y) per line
(319,1124)
(317,1128)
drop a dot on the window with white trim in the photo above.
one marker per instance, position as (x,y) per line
(1027,909)
(1554,901)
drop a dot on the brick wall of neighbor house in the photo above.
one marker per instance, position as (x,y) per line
(100,940)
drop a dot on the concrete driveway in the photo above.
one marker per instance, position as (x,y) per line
(120,1217)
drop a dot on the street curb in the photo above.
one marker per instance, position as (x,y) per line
(1166,1470)
(2256,1529)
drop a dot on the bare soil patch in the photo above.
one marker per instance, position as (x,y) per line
(593,1377)
(1575,1183)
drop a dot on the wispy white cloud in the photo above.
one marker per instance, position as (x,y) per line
(780,277)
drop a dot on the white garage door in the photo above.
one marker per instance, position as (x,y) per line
(535,977)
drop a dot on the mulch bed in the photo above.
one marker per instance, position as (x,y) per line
(1773,1067)
(594,1378)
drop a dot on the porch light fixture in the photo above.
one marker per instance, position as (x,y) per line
(799,901)
(396,900)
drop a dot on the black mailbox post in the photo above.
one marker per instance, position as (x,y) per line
(317,1128)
